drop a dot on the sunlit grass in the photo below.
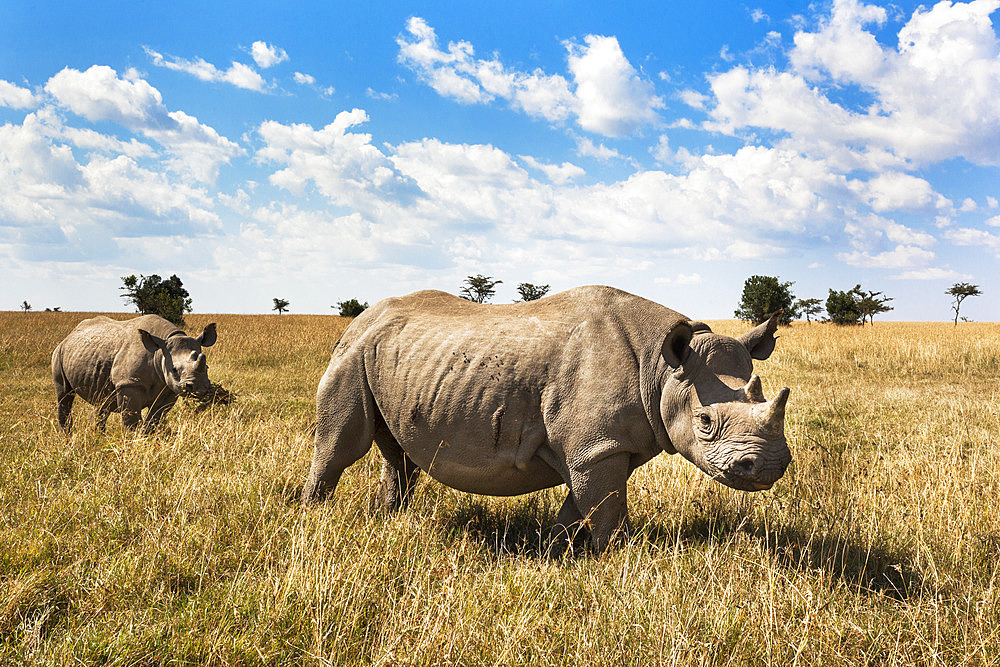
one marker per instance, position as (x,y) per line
(880,545)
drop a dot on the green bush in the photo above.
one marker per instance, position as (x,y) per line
(763,296)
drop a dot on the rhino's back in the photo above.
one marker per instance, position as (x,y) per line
(154,324)
(470,390)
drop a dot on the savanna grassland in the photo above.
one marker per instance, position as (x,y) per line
(881,545)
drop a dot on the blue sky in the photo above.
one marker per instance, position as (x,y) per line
(337,150)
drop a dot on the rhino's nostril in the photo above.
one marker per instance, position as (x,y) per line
(745,466)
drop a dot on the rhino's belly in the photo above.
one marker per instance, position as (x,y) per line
(95,388)
(475,469)
(99,396)
(464,402)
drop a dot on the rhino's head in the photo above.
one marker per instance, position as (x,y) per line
(182,363)
(715,411)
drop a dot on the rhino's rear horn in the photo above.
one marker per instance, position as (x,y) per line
(771,415)
(752,391)
(202,361)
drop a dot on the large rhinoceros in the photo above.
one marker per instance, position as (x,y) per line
(126,366)
(579,388)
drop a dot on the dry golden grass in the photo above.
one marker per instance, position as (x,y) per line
(880,545)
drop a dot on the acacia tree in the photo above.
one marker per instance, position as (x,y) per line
(531,292)
(871,304)
(152,295)
(763,296)
(809,307)
(351,307)
(25,306)
(959,292)
(844,307)
(479,288)
(280,305)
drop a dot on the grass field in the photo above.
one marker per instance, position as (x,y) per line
(881,545)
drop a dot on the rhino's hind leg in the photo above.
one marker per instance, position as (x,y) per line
(399,473)
(64,406)
(345,426)
(64,394)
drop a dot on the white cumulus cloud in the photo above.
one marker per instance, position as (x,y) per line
(611,98)
(267,55)
(99,94)
(238,74)
(900,257)
(895,191)
(15,97)
(975,237)
(933,273)
(607,96)
(932,97)
(342,165)
(559,174)
(56,207)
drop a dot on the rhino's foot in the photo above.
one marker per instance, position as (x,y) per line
(565,540)
(316,490)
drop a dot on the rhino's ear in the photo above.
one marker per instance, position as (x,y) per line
(675,347)
(700,327)
(208,336)
(759,341)
(150,342)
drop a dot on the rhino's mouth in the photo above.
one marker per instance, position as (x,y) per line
(761,476)
(743,484)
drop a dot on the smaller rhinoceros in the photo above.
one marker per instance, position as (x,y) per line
(145,362)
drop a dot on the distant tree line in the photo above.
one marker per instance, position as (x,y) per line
(26,307)
(480,289)
(762,297)
(765,295)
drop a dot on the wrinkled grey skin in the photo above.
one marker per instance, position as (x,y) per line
(579,388)
(145,362)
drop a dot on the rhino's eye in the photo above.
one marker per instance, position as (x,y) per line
(704,420)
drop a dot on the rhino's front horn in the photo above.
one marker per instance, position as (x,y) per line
(771,415)
(752,391)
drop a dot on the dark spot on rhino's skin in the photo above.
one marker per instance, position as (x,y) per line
(497,425)
(414,414)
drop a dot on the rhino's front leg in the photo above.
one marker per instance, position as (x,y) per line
(104,410)
(567,527)
(158,409)
(130,404)
(399,473)
(598,489)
